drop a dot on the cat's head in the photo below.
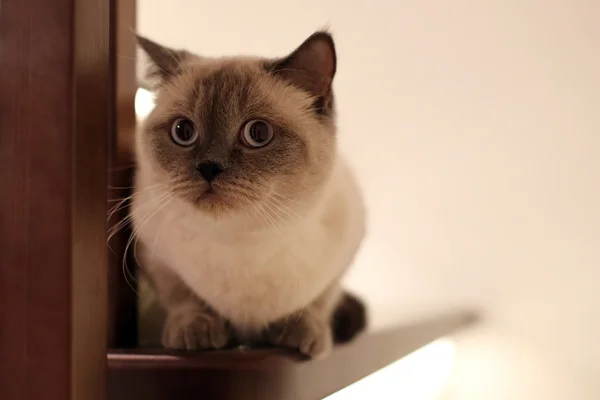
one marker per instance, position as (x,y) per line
(237,133)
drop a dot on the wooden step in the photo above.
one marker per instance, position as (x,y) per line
(265,374)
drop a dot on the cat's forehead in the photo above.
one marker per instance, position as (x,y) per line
(233,87)
(227,73)
(210,65)
(233,83)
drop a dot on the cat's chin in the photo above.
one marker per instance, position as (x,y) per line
(219,199)
(210,195)
(214,202)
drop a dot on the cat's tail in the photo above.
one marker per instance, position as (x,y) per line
(349,318)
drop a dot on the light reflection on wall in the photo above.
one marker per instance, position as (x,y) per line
(144,103)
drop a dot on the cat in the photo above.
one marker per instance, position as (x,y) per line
(245,214)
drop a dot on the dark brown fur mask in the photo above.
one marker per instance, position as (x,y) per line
(230,132)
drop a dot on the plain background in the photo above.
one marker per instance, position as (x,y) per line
(474,128)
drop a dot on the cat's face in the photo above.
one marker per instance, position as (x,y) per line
(241,133)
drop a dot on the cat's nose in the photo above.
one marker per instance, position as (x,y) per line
(209,170)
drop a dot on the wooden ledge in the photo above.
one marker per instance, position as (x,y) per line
(267,373)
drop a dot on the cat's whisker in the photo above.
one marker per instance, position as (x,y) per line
(285,198)
(147,188)
(276,215)
(125,221)
(166,198)
(140,226)
(118,207)
(273,207)
(300,314)
(288,211)
(122,203)
(265,218)
(281,221)
(259,214)
(290,251)
(118,227)
(154,208)
(128,275)
(275,231)
(277,220)
(271,191)
(158,234)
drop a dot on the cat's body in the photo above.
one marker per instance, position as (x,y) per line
(245,214)
(255,270)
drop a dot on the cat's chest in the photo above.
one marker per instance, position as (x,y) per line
(215,251)
(251,277)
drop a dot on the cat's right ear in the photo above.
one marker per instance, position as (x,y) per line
(165,62)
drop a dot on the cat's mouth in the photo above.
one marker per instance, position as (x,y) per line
(218,198)
(209,194)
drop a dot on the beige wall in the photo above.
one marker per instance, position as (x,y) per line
(474,127)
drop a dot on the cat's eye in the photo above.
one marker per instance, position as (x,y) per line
(184,132)
(257,133)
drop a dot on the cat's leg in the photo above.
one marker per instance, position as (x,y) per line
(190,323)
(308,330)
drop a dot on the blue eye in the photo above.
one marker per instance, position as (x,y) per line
(184,132)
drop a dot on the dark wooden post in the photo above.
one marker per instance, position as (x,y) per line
(122,312)
(56,115)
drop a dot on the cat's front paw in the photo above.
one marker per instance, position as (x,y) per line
(309,334)
(195,329)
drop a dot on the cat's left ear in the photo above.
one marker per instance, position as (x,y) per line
(311,67)
(166,62)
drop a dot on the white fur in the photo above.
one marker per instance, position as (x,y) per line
(253,276)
